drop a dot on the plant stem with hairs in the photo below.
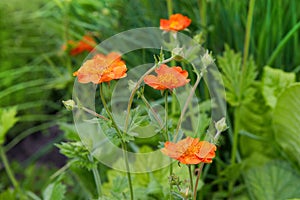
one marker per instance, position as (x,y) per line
(123,144)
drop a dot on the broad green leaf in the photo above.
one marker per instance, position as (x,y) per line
(54,191)
(274,82)
(256,121)
(286,120)
(7,120)
(237,80)
(275,180)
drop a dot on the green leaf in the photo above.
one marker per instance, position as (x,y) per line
(256,122)
(7,120)
(275,180)
(54,191)
(237,81)
(78,154)
(286,120)
(274,82)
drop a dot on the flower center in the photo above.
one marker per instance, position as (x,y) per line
(168,79)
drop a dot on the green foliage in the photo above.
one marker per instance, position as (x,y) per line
(286,120)
(7,120)
(238,78)
(274,180)
(77,153)
(54,191)
(274,82)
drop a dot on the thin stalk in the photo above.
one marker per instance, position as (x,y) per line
(152,111)
(8,169)
(234,150)
(248,32)
(167,138)
(61,170)
(91,112)
(191,178)
(170,7)
(282,43)
(123,144)
(133,92)
(197,180)
(235,135)
(166,115)
(96,177)
(186,105)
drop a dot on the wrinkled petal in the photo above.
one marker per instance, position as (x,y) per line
(167,78)
(190,151)
(102,68)
(177,22)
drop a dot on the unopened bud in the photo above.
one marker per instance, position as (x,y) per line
(178,54)
(69,104)
(221,125)
(207,59)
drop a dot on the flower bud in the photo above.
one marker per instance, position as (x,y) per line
(69,104)
(207,59)
(221,125)
(177,53)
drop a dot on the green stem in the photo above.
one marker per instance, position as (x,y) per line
(191,178)
(125,154)
(96,177)
(186,106)
(234,149)
(123,144)
(8,169)
(282,43)
(235,135)
(248,32)
(166,115)
(159,121)
(170,7)
(197,180)
(137,85)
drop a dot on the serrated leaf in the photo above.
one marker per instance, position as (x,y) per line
(7,120)
(274,82)
(54,191)
(78,154)
(237,81)
(286,120)
(256,120)
(275,180)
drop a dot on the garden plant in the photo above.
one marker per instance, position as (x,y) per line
(125,99)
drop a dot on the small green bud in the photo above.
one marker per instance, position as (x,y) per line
(207,59)
(221,125)
(69,104)
(178,54)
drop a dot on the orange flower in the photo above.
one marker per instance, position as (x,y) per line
(87,43)
(177,22)
(190,151)
(102,68)
(167,78)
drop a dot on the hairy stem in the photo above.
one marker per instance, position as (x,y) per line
(197,180)
(188,100)
(191,178)
(133,92)
(123,144)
